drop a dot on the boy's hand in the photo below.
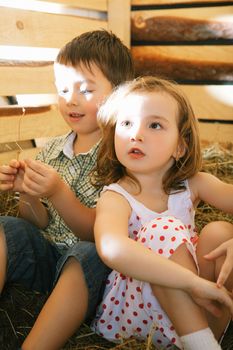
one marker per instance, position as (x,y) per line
(210,297)
(11,176)
(40,179)
(225,249)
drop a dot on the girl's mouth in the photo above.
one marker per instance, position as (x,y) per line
(136,153)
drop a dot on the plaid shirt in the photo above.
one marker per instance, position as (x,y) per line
(75,170)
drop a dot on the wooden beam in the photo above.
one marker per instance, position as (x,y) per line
(36,123)
(119,19)
(29,28)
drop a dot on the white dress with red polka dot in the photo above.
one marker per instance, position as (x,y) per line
(129,307)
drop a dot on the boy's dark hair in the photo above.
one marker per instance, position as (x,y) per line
(104,49)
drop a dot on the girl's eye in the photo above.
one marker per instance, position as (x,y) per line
(155,126)
(126,123)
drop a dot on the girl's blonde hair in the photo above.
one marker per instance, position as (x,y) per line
(110,170)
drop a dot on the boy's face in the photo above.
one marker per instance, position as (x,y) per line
(80,92)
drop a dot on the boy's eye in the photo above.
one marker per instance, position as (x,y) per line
(62,91)
(155,125)
(126,123)
(86,91)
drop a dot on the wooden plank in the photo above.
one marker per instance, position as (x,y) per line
(185,63)
(29,28)
(24,80)
(36,123)
(216,132)
(119,19)
(211,101)
(26,153)
(99,5)
(189,24)
(173,2)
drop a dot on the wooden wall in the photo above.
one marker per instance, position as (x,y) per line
(186,40)
(190,41)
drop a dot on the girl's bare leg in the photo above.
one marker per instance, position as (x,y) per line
(210,238)
(63,312)
(176,302)
(3,259)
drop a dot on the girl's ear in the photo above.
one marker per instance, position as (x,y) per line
(180,151)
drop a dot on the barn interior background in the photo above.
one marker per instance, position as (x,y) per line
(190,41)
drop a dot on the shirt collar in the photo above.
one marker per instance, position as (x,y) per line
(66,147)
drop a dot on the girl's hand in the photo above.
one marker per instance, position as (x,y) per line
(11,176)
(225,249)
(210,297)
(41,180)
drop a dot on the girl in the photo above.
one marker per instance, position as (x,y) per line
(150,159)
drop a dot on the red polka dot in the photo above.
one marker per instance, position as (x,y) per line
(173,340)
(123,328)
(181,227)
(117,318)
(160,317)
(173,238)
(132,296)
(154,225)
(159,219)
(171,251)
(127,304)
(151,237)
(122,311)
(117,302)
(129,321)
(162,238)
(141,306)
(143,240)
(110,313)
(138,329)
(138,218)
(138,289)
(148,305)
(160,251)
(170,220)
(172,328)
(109,326)
(135,313)
(165,227)
(112,298)
(117,335)
(145,321)
(123,294)
(135,232)
(102,320)
(177,229)
(104,306)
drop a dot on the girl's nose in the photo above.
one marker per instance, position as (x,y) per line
(137,136)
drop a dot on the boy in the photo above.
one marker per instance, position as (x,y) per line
(44,248)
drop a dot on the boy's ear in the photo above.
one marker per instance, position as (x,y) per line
(180,151)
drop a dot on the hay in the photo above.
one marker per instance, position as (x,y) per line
(20,307)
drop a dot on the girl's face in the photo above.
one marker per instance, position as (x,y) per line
(146,135)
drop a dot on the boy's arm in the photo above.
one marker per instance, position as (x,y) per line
(31,209)
(133,259)
(42,180)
